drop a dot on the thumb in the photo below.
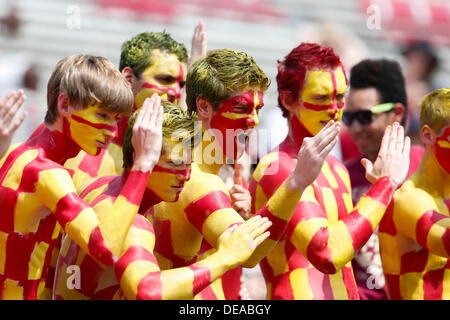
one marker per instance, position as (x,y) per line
(367,164)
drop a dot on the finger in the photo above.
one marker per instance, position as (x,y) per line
(368,166)
(7,102)
(15,107)
(16,124)
(261,228)
(250,224)
(393,138)
(237,178)
(254,225)
(406,147)
(240,205)
(260,239)
(385,141)
(400,139)
(142,112)
(327,137)
(326,151)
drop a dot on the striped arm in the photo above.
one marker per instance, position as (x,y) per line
(139,275)
(417,216)
(103,239)
(331,245)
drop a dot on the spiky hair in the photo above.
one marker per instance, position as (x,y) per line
(177,123)
(221,73)
(137,52)
(435,109)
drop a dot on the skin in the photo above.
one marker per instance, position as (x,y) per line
(9,107)
(325,230)
(368,137)
(414,242)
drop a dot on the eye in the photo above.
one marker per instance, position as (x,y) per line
(321,97)
(165,79)
(182,84)
(240,108)
(103,116)
(340,97)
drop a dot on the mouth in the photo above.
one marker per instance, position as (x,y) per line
(178,188)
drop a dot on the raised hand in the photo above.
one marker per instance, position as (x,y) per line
(311,156)
(198,44)
(241,200)
(238,242)
(393,157)
(8,125)
(147,134)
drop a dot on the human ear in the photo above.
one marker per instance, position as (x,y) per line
(63,105)
(288,102)
(204,108)
(131,78)
(398,112)
(427,135)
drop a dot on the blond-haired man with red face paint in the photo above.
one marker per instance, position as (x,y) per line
(137,271)
(415,232)
(226,89)
(313,259)
(37,195)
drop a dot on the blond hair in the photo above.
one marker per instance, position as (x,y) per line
(435,109)
(86,79)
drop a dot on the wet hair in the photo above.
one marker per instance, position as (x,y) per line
(137,52)
(385,76)
(176,123)
(87,79)
(220,74)
(292,70)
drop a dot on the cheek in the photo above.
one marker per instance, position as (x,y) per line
(311,119)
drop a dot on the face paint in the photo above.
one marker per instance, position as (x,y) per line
(91,128)
(442,146)
(237,115)
(322,98)
(164,77)
(169,175)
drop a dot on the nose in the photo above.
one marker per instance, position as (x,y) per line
(184,176)
(252,121)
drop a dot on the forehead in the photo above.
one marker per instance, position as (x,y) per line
(251,96)
(324,82)
(163,62)
(362,99)
(175,151)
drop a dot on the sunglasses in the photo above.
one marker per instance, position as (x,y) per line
(364,117)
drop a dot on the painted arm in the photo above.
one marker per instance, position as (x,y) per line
(417,216)
(140,277)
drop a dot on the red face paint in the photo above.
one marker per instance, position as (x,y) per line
(235,116)
(442,146)
(173,92)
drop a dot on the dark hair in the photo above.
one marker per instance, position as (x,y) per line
(385,76)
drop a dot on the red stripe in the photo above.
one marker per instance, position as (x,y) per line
(360,229)
(150,287)
(382,190)
(318,252)
(97,183)
(90,273)
(100,126)
(414,261)
(231,283)
(199,210)
(350,284)
(278,226)
(18,254)
(393,286)
(68,208)
(433,284)
(207,294)
(424,225)
(282,288)
(98,249)
(135,186)
(202,277)
(141,222)
(305,210)
(446,240)
(295,259)
(387,224)
(163,235)
(91,164)
(320,285)
(323,107)
(133,253)
(8,200)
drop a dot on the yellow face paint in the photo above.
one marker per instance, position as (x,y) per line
(322,98)
(165,77)
(91,128)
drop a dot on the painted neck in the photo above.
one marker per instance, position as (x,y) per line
(297,132)
(433,175)
(56,145)
(205,155)
(149,199)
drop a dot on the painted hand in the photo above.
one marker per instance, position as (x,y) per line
(147,134)
(393,157)
(8,125)
(241,200)
(311,156)
(238,242)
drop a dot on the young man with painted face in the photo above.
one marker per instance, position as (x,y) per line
(377,99)
(226,89)
(137,271)
(325,231)
(38,198)
(151,62)
(415,232)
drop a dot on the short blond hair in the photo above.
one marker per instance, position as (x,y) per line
(435,109)
(86,79)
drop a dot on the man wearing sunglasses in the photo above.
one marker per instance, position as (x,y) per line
(377,99)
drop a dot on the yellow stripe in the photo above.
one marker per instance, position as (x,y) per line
(300,285)
(133,274)
(12,290)
(53,184)
(446,285)
(348,202)
(329,176)
(177,280)
(139,237)
(217,222)
(338,286)
(263,164)
(390,253)
(11,148)
(112,162)
(260,198)
(343,174)
(376,209)
(435,241)
(217,288)
(28,213)
(277,259)
(411,286)
(37,260)
(14,176)
(330,204)
(80,228)
(283,202)
(340,243)
(305,231)
(3,239)
(234,116)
